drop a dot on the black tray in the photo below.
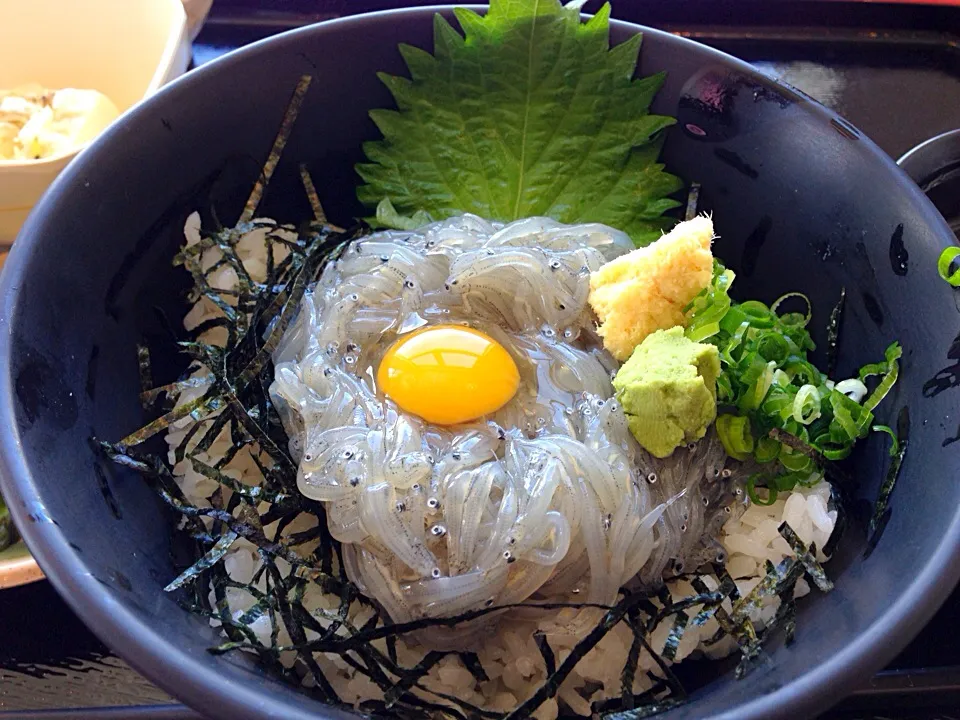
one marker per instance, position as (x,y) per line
(892,70)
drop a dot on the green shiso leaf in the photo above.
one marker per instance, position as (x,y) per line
(529,113)
(388,217)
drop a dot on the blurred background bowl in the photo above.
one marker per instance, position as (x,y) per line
(935,166)
(125,49)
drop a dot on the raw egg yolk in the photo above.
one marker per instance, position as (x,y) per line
(448,374)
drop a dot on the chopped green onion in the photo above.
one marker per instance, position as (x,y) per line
(758,314)
(734,319)
(811,480)
(945,262)
(781,378)
(766,376)
(802,371)
(725,393)
(795,461)
(773,347)
(767,450)
(852,417)
(804,319)
(756,499)
(895,443)
(703,331)
(893,354)
(779,403)
(835,455)
(759,376)
(852,388)
(735,434)
(710,306)
(806,404)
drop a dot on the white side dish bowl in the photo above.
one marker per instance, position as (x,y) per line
(125,50)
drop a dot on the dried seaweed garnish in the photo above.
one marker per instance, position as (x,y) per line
(549,661)
(146,375)
(836,499)
(693,199)
(833,332)
(213,556)
(552,684)
(150,396)
(277,624)
(780,580)
(629,672)
(318,212)
(289,118)
(675,635)
(881,511)
(786,616)
(411,677)
(472,663)
(652,702)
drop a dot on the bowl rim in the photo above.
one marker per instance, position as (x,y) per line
(202,687)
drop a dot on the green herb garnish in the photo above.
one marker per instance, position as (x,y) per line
(779,406)
(529,113)
(945,262)
(898,450)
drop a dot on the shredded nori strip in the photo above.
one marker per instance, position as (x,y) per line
(839,526)
(146,375)
(833,332)
(235,403)
(409,678)
(472,663)
(213,556)
(629,672)
(549,661)
(881,510)
(649,709)
(676,634)
(286,127)
(693,199)
(318,213)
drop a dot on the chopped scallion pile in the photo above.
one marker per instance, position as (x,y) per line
(776,407)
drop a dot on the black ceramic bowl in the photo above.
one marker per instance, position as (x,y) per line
(800,199)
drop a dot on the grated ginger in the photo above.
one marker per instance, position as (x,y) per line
(646,290)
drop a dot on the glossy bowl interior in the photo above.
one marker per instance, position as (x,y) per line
(800,199)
